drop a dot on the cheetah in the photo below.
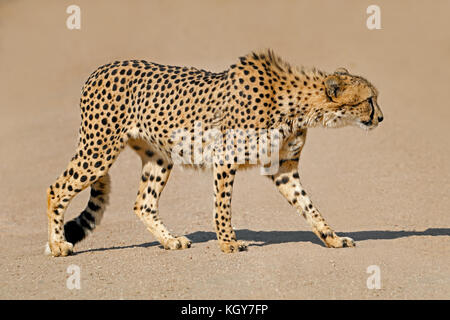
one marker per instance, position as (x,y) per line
(143,105)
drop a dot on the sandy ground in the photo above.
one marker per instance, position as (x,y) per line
(387,189)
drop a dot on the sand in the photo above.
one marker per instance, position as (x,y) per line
(387,189)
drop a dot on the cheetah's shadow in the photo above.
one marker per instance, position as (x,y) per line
(265,238)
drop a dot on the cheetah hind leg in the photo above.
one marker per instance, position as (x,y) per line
(75,179)
(78,228)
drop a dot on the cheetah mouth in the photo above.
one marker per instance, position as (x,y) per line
(367,125)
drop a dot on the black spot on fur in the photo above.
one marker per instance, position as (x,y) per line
(93,206)
(87,216)
(95,193)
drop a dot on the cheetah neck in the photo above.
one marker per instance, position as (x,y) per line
(301,100)
(295,97)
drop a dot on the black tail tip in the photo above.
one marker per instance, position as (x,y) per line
(74,232)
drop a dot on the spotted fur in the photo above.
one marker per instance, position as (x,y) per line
(143,105)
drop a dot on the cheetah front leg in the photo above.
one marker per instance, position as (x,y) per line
(155,173)
(287,181)
(223,188)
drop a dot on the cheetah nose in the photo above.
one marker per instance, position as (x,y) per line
(380,119)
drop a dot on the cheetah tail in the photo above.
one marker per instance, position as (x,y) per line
(77,229)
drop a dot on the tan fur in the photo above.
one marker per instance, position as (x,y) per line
(144,105)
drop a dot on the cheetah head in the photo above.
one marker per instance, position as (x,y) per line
(352,101)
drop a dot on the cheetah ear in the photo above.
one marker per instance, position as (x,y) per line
(333,86)
(341,71)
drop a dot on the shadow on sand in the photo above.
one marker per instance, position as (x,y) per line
(264,238)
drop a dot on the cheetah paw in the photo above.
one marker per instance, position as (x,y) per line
(233,246)
(340,242)
(177,243)
(59,249)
